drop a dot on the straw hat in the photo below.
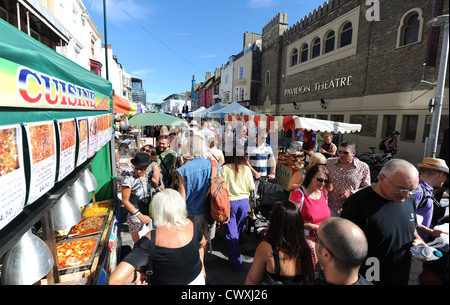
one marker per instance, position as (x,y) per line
(434,163)
(164,131)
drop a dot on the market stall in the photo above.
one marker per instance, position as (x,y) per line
(56,133)
(291,160)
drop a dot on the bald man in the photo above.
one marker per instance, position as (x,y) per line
(386,212)
(341,248)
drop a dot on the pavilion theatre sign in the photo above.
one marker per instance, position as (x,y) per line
(319,86)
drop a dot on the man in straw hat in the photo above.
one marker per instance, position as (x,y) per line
(433,173)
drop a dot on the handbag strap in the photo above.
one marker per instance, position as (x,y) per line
(303,198)
(149,271)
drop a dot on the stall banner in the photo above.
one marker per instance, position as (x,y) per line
(93,138)
(12,174)
(82,126)
(41,139)
(25,87)
(67,144)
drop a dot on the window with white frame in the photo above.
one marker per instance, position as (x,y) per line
(241,72)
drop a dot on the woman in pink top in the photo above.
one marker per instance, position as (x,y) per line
(312,198)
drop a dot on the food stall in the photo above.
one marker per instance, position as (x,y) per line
(56,167)
(292,160)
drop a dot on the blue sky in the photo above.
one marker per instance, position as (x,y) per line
(165,42)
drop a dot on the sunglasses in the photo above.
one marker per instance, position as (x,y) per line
(140,168)
(343,152)
(164,137)
(321,180)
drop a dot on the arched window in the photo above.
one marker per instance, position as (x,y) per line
(316,48)
(329,42)
(294,57)
(411,32)
(346,35)
(267,78)
(304,53)
(410,28)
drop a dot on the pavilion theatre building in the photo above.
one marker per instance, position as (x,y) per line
(374,64)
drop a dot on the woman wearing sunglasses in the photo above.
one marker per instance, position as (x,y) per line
(312,198)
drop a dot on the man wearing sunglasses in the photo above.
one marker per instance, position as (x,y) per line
(347,175)
(386,212)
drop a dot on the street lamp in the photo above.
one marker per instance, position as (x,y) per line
(434,129)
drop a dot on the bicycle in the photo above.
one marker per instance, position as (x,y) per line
(375,161)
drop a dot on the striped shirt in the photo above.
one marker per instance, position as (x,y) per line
(259,158)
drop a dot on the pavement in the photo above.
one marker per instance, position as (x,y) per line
(216,259)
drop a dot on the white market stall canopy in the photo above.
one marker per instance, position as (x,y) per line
(233,108)
(294,122)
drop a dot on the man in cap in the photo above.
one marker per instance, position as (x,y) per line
(386,213)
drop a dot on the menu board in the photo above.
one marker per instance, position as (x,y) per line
(12,176)
(41,143)
(82,125)
(68,140)
(93,138)
(100,132)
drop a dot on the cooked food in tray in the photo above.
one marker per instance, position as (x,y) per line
(88,226)
(75,253)
(95,209)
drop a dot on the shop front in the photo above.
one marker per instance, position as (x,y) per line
(57,204)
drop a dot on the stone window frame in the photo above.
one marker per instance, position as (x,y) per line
(294,57)
(338,53)
(330,35)
(402,26)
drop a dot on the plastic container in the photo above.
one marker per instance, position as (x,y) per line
(426,252)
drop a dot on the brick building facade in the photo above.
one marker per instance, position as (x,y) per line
(343,64)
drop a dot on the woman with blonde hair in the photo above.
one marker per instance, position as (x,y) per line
(178,252)
(297,178)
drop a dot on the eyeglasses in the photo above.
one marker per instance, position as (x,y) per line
(401,190)
(343,152)
(325,247)
(321,180)
(140,168)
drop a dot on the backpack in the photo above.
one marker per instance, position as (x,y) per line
(381,145)
(217,200)
(425,196)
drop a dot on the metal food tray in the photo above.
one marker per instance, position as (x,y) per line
(90,260)
(105,216)
(94,203)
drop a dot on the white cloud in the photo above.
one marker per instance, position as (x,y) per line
(260,3)
(207,56)
(142,72)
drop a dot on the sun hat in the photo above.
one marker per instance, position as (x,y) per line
(434,163)
(193,123)
(164,131)
(141,159)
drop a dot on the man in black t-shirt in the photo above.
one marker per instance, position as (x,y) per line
(386,213)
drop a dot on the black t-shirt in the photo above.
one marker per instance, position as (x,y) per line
(171,266)
(389,228)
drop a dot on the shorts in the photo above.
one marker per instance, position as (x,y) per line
(134,224)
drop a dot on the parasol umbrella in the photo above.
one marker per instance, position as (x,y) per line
(154,118)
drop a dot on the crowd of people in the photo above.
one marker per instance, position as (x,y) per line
(336,227)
